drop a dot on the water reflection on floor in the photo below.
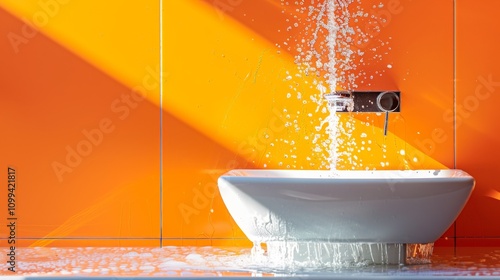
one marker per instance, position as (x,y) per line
(231,262)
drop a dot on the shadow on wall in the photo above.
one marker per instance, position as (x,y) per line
(192,203)
(85,147)
(86,151)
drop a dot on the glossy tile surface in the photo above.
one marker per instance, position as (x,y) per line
(230,262)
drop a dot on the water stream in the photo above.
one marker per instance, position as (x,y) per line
(326,52)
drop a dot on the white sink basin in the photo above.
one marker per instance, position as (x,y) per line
(386,206)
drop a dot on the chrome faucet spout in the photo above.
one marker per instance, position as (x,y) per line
(365,101)
(340,101)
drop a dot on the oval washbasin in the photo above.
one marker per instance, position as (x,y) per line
(383,206)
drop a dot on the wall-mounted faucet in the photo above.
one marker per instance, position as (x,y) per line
(365,101)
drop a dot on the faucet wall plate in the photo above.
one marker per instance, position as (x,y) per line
(375,101)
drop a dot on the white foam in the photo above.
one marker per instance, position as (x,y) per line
(131,254)
(147,268)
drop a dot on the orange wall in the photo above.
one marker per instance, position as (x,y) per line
(78,136)
(227,79)
(478,88)
(225,106)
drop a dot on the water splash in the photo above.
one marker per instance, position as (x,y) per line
(332,43)
(208,261)
(296,255)
(325,59)
(331,39)
(359,50)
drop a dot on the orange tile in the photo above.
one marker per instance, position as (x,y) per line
(86,154)
(477,134)
(478,242)
(192,204)
(83,242)
(444,242)
(237,92)
(223,242)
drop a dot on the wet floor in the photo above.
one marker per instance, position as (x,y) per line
(230,262)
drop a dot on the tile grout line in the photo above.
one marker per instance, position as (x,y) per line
(454,84)
(161,122)
(455,107)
